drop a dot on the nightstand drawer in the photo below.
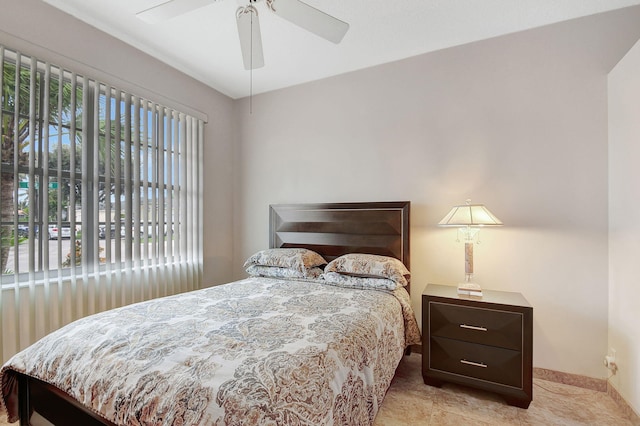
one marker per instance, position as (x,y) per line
(477,325)
(482,362)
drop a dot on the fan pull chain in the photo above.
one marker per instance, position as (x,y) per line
(251,70)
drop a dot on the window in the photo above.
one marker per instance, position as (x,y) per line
(91,178)
(100,199)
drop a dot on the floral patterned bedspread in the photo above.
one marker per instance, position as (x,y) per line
(259,351)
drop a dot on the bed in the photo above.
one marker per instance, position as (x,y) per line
(290,344)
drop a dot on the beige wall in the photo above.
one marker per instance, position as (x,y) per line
(39,29)
(624,229)
(517,122)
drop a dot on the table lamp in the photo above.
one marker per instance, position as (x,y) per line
(469,218)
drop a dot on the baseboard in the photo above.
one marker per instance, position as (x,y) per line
(599,385)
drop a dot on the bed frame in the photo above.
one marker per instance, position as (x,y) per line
(330,229)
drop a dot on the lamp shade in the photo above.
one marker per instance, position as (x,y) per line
(470,215)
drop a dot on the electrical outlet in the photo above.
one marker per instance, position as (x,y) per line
(610,361)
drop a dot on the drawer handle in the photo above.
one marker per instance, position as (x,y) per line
(475,364)
(473,327)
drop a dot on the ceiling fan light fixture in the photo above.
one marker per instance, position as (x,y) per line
(294,11)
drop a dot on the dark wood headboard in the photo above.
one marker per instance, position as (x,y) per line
(338,228)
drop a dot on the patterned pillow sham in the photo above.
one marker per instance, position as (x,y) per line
(370,266)
(363,283)
(298,259)
(278,272)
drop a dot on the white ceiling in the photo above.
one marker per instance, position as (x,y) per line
(204,43)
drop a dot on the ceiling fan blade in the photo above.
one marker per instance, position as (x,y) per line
(310,18)
(170,9)
(250,38)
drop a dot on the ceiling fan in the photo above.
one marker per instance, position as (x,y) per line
(294,11)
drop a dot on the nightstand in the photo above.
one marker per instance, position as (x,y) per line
(486,342)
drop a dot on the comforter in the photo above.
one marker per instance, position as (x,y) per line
(257,351)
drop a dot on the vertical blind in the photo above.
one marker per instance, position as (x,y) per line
(100,199)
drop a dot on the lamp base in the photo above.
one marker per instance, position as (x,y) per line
(469,289)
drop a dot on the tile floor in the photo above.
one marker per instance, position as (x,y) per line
(410,402)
